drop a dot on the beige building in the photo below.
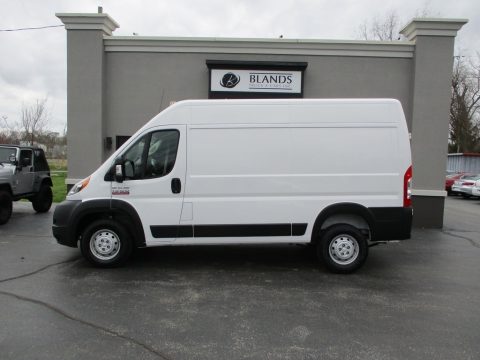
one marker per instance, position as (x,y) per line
(117,83)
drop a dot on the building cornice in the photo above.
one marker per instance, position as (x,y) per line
(101,22)
(432,27)
(396,49)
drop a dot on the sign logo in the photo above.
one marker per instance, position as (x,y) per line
(256,81)
(279,81)
(229,80)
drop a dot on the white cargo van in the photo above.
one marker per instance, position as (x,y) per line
(332,173)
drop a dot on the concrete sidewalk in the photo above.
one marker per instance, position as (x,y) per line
(416,299)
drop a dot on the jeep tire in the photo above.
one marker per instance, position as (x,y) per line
(5,206)
(42,201)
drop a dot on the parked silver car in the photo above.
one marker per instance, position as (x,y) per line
(476,188)
(464,186)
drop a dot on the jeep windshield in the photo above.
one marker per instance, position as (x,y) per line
(6,153)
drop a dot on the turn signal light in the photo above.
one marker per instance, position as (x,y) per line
(407,187)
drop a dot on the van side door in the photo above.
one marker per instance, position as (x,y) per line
(154,181)
(239,184)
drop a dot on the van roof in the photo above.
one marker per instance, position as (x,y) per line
(220,102)
(272,111)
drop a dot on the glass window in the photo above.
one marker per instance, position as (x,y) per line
(151,156)
(133,159)
(39,161)
(162,153)
(5,154)
(25,158)
(120,140)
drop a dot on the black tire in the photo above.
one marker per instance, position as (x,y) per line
(343,248)
(466,196)
(5,206)
(42,201)
(106,243)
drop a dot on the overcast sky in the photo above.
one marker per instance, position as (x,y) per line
(33,63)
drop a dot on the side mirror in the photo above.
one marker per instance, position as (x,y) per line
(118,173)
(13,160)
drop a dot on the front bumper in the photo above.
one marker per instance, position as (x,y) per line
(62,223)
(462,189)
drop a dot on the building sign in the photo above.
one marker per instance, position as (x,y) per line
(272,81)
(248,79)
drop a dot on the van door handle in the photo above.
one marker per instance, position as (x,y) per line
(176,185)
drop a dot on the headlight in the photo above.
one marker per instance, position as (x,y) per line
(79,186)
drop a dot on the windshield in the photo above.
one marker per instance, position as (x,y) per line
(5,154)
(471,177)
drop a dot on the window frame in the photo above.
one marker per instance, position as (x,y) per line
(144,156)
(147,150)
(21,157)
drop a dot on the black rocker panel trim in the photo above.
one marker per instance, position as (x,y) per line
(227,230)
(171,231)
(299,229)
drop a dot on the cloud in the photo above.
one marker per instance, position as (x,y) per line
(33,63)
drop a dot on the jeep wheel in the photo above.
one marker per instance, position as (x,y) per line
(5,206)
(43,200)
(106,243)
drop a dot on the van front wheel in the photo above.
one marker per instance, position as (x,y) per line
(106,243)
(343,248)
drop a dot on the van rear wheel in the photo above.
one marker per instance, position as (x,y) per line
(343,248)
(106,243)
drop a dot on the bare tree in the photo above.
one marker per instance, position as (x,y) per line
(464,135)
(34,119)
(385,29)
(4,131)
(9,133)
(465,106)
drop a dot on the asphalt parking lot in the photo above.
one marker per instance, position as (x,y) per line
(416,299)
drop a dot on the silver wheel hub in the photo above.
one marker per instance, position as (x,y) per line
(343,249)
(104,244)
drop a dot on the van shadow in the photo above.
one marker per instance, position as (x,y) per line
(219,266)
(208,265)
(284,258)
(233,257)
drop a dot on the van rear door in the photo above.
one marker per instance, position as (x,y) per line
(154,170)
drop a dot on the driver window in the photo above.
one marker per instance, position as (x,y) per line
(25,158)
(133,159)
(161,153)
(151,156)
